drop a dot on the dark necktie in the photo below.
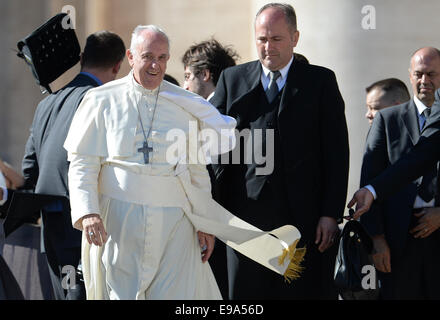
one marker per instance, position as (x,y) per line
(427,188)
(426,113)
(272,89)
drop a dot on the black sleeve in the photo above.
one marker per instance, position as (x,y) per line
(216,169)
(374,162)
(413,165)
(220,96)
(335,149)
(30,164)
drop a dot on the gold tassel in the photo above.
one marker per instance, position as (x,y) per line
(296,256)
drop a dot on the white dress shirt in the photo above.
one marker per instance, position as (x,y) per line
(281,81)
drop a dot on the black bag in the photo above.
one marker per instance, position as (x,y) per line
(355,247)
(50,50)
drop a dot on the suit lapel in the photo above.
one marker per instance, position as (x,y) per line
(251,77)
(290,87)
(411,121)
(434,118)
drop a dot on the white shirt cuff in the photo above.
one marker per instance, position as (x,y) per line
(5,196)
(371,189)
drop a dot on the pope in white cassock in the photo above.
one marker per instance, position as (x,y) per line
(142,214)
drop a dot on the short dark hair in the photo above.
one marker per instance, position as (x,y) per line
(103,49)
(395,90)
(210,55)
(171,79)
(287,9)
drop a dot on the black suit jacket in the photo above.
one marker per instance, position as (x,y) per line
(45,164)
(417,162)
(395,130)
(313,136)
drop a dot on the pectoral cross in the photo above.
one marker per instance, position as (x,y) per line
(146,151)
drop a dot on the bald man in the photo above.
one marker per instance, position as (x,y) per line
(404,254)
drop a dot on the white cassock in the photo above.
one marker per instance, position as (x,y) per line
(151,212)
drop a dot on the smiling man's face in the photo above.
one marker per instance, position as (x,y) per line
(149,61)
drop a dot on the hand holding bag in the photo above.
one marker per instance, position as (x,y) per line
(355,275)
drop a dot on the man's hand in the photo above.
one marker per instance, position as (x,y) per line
(363,199)
(326,231)
(206,242)
(94,229)
(381,254)
(429,221)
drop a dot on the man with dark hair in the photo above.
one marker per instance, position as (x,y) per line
(385,93)
(102,49)
(45,164)
(171,79)
(405,257)
(203,64)
(299,107)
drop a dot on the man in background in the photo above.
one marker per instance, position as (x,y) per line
(385,93)
(405,256)
(45,164)
(203,63)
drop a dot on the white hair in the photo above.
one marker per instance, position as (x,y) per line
(136,38)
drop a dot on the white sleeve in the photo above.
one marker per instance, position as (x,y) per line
(5,190)
(197,167)
(83,186)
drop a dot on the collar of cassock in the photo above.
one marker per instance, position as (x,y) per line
(139,88)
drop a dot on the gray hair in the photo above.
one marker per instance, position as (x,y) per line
(136,39)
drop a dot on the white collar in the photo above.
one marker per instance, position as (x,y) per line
(139,88)
(210,95)
(420,105)
(283,71)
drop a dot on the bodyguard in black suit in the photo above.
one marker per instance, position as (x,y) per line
(413,238)
(45,164)
(414,164)
(307,186)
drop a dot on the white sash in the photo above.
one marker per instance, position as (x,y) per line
(267,248)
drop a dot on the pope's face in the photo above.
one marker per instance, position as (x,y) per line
(149,61)
(274,40)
